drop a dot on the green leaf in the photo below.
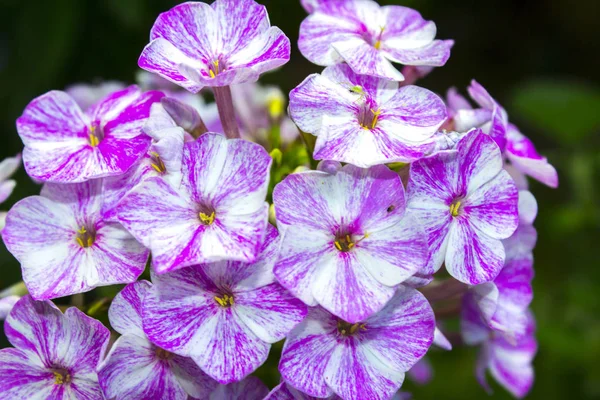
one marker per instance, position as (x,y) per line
(567,111)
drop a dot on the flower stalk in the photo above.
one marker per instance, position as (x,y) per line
(226,111)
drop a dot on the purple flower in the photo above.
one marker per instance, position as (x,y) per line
(55,354)
(65,145)
(509,360)
(522,155)
(65,244)
(224,315)
(228,42)
(365,120)
(137,369)
(86,95)
(466,203)
(347,241)
(218,212)
(493,120)
(364,360)
(369,37)
(250,388)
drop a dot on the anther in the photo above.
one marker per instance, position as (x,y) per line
(207,219)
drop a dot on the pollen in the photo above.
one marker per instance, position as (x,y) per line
(157,163)
(224,301)
(377,45)
(347,329)
(84,237)
(344,244)
(454,208)
(207,219)
(61,378)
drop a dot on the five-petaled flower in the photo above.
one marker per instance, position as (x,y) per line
(218,212)
(362,360)
(65,243)
(135,368)
(226,43)
(64,144)
(364,120)
(224,315)
(55,354)
(466,203)
(369,37)
(347,240)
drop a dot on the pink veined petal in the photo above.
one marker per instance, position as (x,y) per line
(456,101)
(486,297)
(378,90)
(270,312)
(162,57)
(353,371)
(264,53)
(528,207)
(364,59)
(24,376)
(394,254)
(319,31)
(9,166)
(473,329)
(88,95)
(193,27)
(413,114)
(310,343)
(191,378)
(440,340)
(132,370)
(318,96)
(301,259)
(492,208)
(312,5)
(521,243)
(472,256)
(421,373)
(125,312)
(227,349)
(405,28)
(250,388)
(434,54)
(347,289)
(479,161)
(540,170)
(240,22)
(402,332)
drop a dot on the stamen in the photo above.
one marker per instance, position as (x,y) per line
(454,208)
(377,44)
(376,115)
(215,72)
(61,378)
(93,140)
(224,301)
(347,329)
(162,354)
(207,219)
(85,238)
(212,74)
(157,163)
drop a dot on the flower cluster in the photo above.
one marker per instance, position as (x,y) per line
(247,241)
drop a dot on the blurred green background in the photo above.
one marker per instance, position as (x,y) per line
(538,58)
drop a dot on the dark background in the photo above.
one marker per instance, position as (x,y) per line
(540,59)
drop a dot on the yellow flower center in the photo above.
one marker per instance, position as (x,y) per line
(162,354)
(454,208)
(225,300)
(95,136)
(347,329)
(61,377)
(157,163)
(214,70)
(85,238)
(207,219)
(370,119)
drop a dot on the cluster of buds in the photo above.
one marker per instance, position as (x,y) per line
(351,226)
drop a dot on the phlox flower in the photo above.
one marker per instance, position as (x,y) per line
(55,355)
(218,212)
(63,144)
(369,37)
(66,245)
(509,360)
(347,240)
(137,369)
(466,203)
(518,150)
(364,120)
(87,95)
(224,315)
(325,355)
(228,42)
(251,388)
